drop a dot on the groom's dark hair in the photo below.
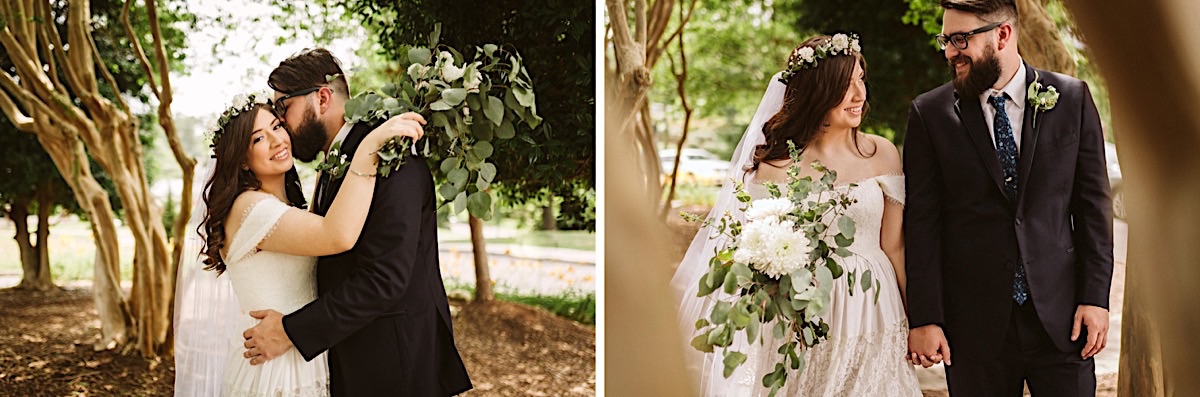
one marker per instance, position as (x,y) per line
(307,69)
(987,10)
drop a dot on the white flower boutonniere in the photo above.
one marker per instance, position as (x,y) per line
(335,162)
(1042,99)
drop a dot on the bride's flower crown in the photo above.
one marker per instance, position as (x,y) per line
(807,57)
(241,103)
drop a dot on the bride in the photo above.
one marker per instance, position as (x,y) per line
(818,104)
(257,233)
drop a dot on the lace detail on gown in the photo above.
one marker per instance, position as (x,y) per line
(864,355)
(270,280)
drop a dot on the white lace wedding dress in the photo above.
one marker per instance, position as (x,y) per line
(270,280)
(864,355)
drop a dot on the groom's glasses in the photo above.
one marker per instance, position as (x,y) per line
(280,105)
(959,40)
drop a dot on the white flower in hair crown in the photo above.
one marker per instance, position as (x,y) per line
(241,103)
(807,57)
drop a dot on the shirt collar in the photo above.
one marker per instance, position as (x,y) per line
(1015,89)
(341,135)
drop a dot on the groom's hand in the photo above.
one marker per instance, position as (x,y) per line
(266,340)
(927,346)
(1096,320)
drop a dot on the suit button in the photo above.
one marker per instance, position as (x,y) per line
(1018,221)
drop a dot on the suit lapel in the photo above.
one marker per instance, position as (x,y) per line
(349,145)
(970,113)
(1029,139)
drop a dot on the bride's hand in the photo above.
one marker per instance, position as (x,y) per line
(405,125)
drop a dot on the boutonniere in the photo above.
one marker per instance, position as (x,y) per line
(335,162)
(1042,99)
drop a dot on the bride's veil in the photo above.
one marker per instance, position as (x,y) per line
(686,281)
(206,312)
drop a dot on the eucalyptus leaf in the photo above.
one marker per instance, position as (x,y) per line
(488,172)
(846,226)
(440,106)
(419,55)
(720,312)
(494,109)
(458,177)
(480,205)
(505,130)
(701,323)
(447,190)
(700,342)
(866,280)
(449,164)
(483,149)
(439,119)
(460,202)
(454,96)
(732,360)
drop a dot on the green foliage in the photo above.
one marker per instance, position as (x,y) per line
(461,101)
(733,49)
(556,40)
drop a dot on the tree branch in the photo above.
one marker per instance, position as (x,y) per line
(137,48)
(60,51)
(19,120)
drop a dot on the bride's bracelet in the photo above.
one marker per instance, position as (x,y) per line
(352,171)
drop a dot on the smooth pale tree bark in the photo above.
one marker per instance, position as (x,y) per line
(1039,41)
(1149,53)
(70,116)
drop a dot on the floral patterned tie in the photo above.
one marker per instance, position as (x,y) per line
(1006,152)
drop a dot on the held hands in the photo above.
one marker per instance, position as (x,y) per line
(1096,320)
(927,346)
(266,340)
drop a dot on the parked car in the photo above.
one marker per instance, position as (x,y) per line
(696,166)
(1114,180)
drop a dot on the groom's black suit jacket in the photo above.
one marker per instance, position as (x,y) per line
(382,312)
(963,236)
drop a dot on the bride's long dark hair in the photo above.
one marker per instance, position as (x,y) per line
(811,93)
(229,180)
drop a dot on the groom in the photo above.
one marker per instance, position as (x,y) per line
(1008,227)
(381,312)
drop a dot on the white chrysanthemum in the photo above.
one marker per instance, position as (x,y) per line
(768,209)
(854,46)
(840,42)
(806,54)
(451,73)
(240,101)
(772,247)
(415,71)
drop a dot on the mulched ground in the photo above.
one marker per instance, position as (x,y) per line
(510,349)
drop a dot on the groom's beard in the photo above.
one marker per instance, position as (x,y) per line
(980,76)
(308,138)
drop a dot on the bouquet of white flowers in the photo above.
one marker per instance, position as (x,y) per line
(778,268)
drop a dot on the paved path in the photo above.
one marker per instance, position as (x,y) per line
(1107,362)
(524,269)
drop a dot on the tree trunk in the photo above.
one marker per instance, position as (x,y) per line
(19,213)
(1156,131)
(45,196)
(549,220)
(681,89)
(1039,41)
(483,277)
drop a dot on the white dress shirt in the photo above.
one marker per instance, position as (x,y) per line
(1014,106)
